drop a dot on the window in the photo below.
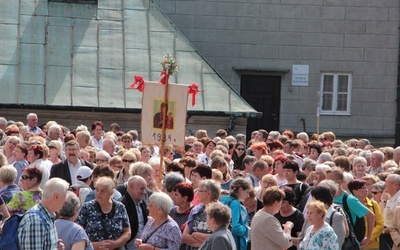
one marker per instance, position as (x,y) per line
(335,94)
(75,1)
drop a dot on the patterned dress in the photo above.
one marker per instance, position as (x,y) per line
(91,220)
(197,222)
(325,238)
(23,201)
(168,236)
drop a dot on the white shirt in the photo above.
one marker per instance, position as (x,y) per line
(73,170)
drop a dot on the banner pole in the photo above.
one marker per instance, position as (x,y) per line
(164,116)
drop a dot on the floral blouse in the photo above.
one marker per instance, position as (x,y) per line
(90,218)
(325,238)
(23,201)
(168,236)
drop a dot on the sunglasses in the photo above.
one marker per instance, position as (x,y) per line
(130,161)
(25,177)
(376,192)
(240,149)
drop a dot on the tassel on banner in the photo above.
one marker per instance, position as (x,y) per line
(138,80)
(193,90)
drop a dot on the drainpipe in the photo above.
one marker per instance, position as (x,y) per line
(397,135)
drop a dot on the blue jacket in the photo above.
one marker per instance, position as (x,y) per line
(240,217)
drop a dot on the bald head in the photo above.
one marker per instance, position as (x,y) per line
(136,187)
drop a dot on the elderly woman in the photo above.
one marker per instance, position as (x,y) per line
(9,146)
(275,238)
(102,158)
(116,163)
(8,174)
(102,171)
(73,236)
(19,154)
(376,191)
(32,194)
(55,151)
(218,218)
(160,232)
(359,189)
(104,219)
(36,155)
(197,231)
(123,175)
(319,235)
(238,194)
(157,172)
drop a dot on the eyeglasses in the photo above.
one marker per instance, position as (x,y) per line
(376,192)
(25,177)
(127,141)
(101,160)
(130,161)
(203,191)
(52,147)
(240,149)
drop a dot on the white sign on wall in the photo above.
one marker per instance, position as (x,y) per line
(300,75)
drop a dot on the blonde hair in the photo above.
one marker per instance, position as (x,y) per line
(319,207)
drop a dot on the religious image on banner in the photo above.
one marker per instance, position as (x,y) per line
(158,111)
(153,110)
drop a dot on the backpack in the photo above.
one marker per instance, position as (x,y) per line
(9,237)
(352,242)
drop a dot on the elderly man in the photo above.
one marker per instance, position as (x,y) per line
(36,229)
(136,208)
(32,121)
(109,146)
(376,163)
(54,133)
(68,169)
(391,212)
(83,138)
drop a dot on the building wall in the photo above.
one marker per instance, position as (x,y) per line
(127,121)
(357,36)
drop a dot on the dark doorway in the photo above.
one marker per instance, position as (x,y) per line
(263,92)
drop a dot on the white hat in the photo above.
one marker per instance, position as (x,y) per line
(84,172)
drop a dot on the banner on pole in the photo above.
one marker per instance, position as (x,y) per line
(152,114)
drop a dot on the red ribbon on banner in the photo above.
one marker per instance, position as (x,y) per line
(193,90)
(138,80)
(164,77)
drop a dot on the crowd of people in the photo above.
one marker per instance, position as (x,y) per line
(276,190)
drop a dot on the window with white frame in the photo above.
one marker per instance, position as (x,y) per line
(335,97)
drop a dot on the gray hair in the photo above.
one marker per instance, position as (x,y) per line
(325,156)
(71,205)
(394,178)
(379,153)
(171,179)
(54,186)
(140,168)
(379,185)
(54,127)
(274,134)
(322,167)
(331,185)
(30,115)
(8,174)
(106,181)
(211,186)
(155,161)
(161,200)
(366,154)
(359,159)
(302,136)
(104,153)
(310,164)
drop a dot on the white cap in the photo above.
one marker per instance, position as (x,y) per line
(84,172)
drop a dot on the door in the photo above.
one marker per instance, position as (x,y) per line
(263,93)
